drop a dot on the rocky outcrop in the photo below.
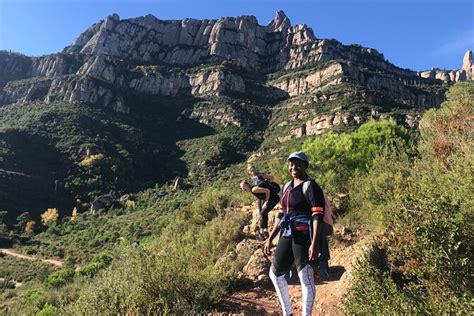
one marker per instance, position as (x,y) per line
(16,66)
(318,124)
(468,65)
(224,116)
(451,76)
(310,81)
(85,90)
(447,76)
(25,90)
(230,56)
(187,42)
(103,68)
(216,82)
(53,65)
(13,67)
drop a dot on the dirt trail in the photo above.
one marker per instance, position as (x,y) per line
(262,300)
(10,252)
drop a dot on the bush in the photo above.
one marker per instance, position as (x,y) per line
(428,210)
(173,273)
(376,196)
(98,263)
(47,310)
(59,278)
(334,158)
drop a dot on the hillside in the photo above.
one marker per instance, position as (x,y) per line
(159,117)
(148,94)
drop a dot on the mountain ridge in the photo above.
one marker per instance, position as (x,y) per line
(247,89)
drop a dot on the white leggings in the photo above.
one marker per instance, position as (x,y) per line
(306,276)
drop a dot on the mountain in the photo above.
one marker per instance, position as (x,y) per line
(141,101)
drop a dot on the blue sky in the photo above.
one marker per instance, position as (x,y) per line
(415,34)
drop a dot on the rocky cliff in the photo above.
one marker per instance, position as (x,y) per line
(205,57)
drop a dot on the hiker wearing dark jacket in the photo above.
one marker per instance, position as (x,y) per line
(299,224)
(255,178)
(268,192)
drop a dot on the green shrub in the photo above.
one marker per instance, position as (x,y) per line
(376,196)
(33,294)
(334,158)
(98,263)
(59,278)
(173,273)
(428,209)
(48,310)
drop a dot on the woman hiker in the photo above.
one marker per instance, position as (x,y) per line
(255,178)
(300,222)
(265,191)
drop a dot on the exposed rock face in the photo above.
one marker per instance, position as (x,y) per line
(222,115)
(86,91)
(187,42)
(216,82)
(450,76)
(13,67)
(468,66)
(306,82)
(53,65)
(447,76)
(115,58)
(24,90)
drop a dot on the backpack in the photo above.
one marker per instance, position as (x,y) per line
(274,187)
(328,212)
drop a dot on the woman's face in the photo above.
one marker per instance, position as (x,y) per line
(297,168)
(252,171)
(245,187)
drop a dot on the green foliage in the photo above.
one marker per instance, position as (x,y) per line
(59,278)
(33,294)
(98,263)
(383,188)
(24,270)
(375,292)
(48,310)
(334,158)
(428,209)
(173,273)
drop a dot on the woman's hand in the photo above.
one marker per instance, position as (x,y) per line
(266,247)
(313,252)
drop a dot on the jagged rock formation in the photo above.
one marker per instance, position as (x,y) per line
(449,76)
(468,66)
(169,58)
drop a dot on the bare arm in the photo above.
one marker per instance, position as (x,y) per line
(262,190)
(313,249)
(273,234)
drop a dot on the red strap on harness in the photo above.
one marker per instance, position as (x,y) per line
(301,228)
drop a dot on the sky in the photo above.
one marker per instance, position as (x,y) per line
(415,34)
